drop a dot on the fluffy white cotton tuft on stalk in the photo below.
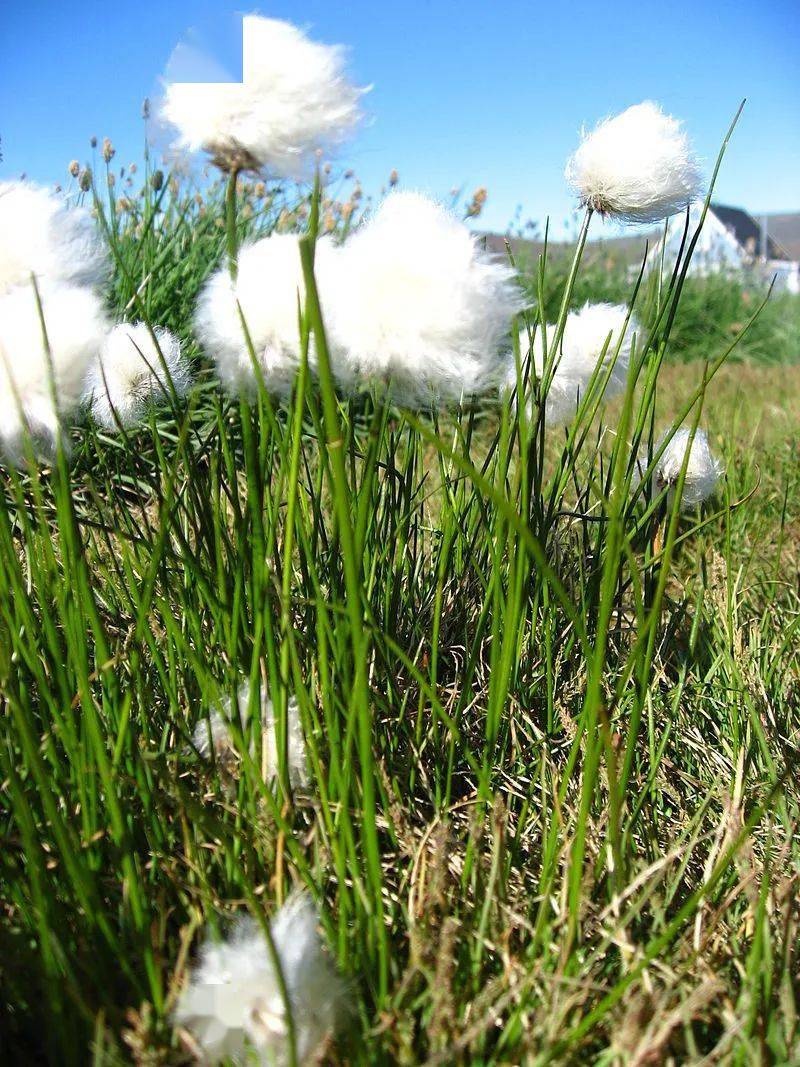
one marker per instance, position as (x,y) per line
(128,376)
(703,470)
(215,734)
(75,326)
(417,304)
(637,166)
(41,235)
(267,292)
(294,99)
(233,1006)
(591,335)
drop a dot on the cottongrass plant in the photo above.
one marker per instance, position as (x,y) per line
(249,324)
(703,469)
(41,235)
(295,100)
(48,334)
(595,336)
(135,370)
(214,736)
(636,167)
(417,307)
(409,302)
(52,320)
(235,1004)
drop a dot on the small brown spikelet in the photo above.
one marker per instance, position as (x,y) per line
(74,168)
(479,198)
(108,149)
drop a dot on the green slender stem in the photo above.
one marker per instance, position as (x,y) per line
(231,236)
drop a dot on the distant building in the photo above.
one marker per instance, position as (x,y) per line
(731,241)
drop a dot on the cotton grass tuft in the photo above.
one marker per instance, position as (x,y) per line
(295,100)
(41,235)
(417,306)
(75,327)
(591,335)
(703,470)
(129,376)
(45,246)
(215,735)
(636,167)
(267,291)
(233,1006)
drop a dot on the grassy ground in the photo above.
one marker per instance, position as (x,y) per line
(552,725)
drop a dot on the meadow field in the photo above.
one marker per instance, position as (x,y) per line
(515,710)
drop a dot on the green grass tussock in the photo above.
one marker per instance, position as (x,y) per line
(551,721)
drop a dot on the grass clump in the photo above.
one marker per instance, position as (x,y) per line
(550,720)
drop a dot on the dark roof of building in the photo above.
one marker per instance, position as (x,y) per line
(747,231)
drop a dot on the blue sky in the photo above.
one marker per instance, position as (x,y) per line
(464,93)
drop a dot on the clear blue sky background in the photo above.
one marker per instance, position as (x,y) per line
(464,93)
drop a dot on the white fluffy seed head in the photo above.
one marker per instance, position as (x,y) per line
(233,1006)
(128,375)
(215,734)
(75,325)
(703,470)
(636,167)
(41,235)
(591,335)
(417,304)
(294,100)
(268,291)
